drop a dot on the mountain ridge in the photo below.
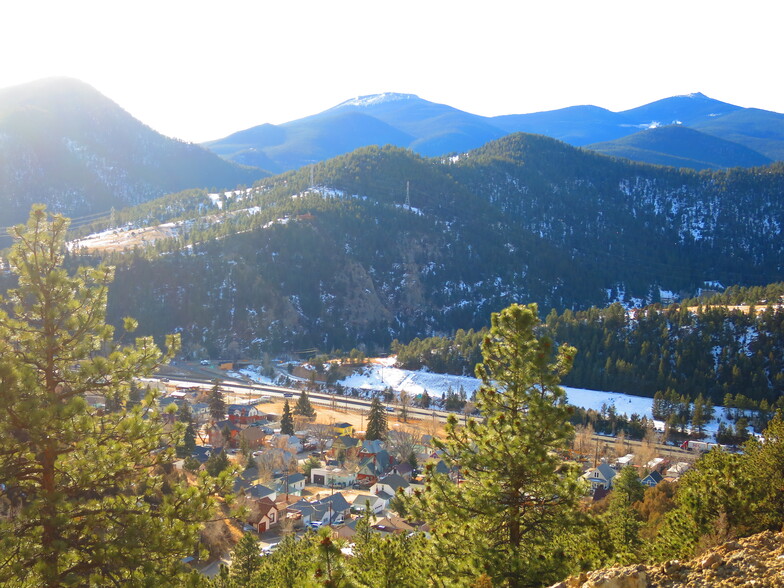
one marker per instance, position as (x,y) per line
(433,129)
(383,243)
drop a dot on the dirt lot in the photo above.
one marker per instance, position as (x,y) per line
(327,415)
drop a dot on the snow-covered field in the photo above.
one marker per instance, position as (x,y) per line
(382,375)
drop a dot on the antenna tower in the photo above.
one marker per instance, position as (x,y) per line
(408,195)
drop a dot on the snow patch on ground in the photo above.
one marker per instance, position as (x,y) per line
(382,375)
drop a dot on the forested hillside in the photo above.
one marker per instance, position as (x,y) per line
(727,348)
(64,144)
(330,256)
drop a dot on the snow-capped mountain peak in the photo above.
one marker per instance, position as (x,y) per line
(375,99)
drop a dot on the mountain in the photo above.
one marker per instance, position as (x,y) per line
(689,109)
(64,144)
(331,255)
(403,120)
(307,141)
(576,125)
(433,130)
(679,146)
(760,130)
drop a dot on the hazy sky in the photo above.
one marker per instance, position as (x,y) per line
(201,70)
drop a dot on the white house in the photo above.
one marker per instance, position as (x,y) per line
(391,484)
(600,477)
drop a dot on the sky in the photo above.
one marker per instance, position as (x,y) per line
(199,70)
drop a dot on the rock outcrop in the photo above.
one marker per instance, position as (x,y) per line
(754,561)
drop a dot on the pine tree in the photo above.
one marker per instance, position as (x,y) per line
(89,502)
(304,407)
(245,559)
(377,421)
(623,520)
(287,421)
(516,495)
(217,403)
(387,562)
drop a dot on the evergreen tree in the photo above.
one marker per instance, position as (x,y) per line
(622,519)
(287,420)
(88,500)
(388,562)
(217,403)
(245,559)
(377,421)
(188,444)
(516,494)
(291,564)
(217,463)
(303,406)
(766,461)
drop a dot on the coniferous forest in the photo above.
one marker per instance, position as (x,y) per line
(726,349)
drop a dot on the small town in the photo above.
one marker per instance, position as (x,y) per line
(329,473)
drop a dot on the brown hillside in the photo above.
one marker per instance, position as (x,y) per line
(753,561)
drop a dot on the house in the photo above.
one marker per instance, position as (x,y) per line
(371,448)
(245,479)
(373,466)
(347,530)
(391,484)
(334,477)
(327,511)
(600,477)
(404,470)
(201,453)
(392,525)
(263,515)
(253,436)
(343,429)
(292,484)
(259,491)
(216,435)
(377,504)
(677,470)
(243,414)
(200,410)
(657,463)
(624,461)
(652,479)
(344,445)
(288,442)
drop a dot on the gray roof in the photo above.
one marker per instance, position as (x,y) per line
(394,481)
(258,491)
(361,499)
(373,446)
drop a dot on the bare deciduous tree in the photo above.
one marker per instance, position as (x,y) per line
(402,443)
